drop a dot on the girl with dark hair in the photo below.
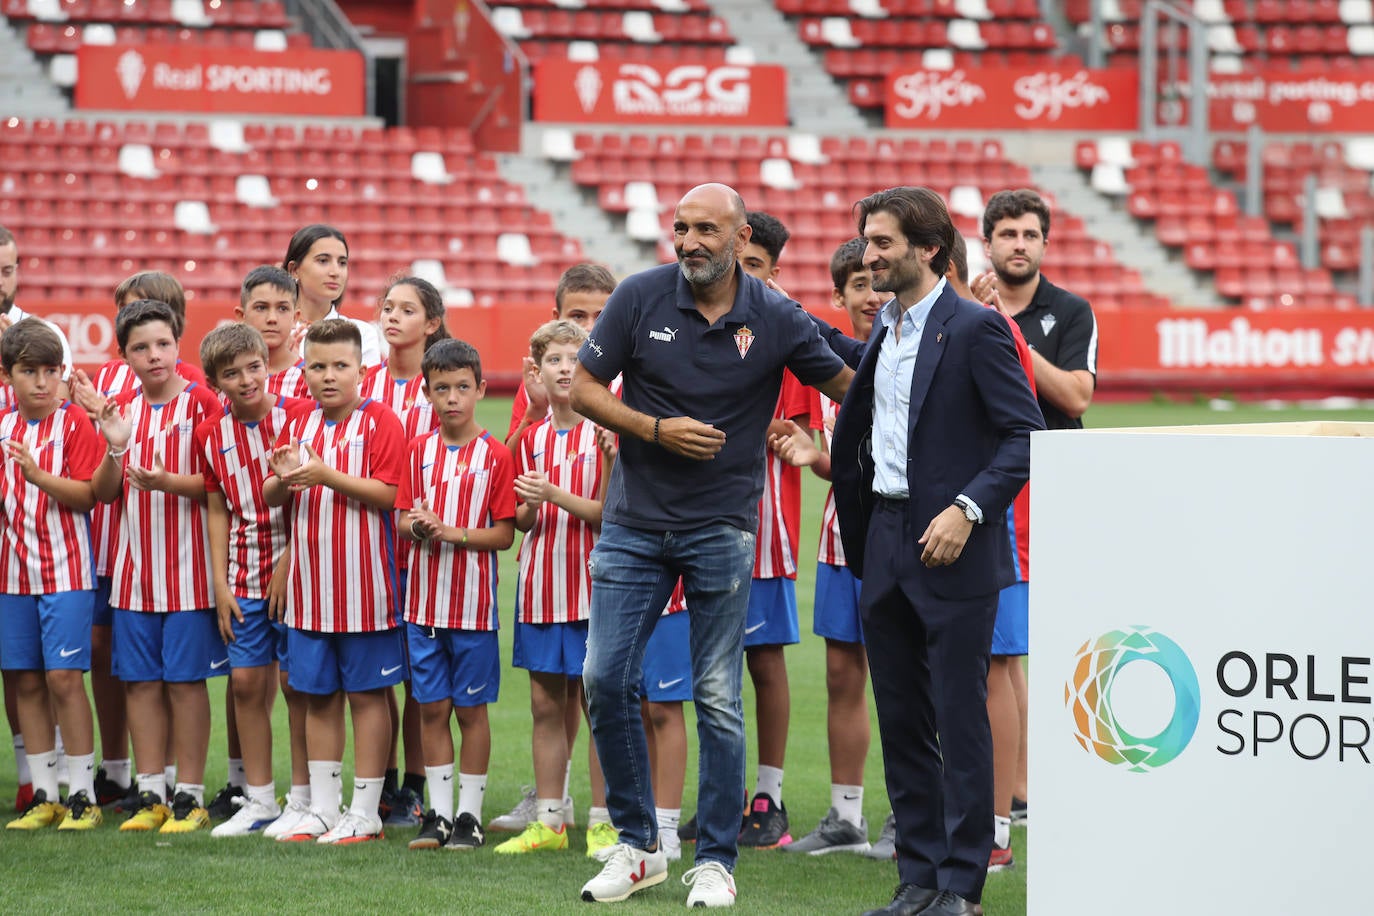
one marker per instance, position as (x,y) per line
(317,257)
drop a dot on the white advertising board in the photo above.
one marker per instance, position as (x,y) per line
(1202,625)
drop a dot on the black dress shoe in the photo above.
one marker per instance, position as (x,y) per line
(909,900)
(950,904)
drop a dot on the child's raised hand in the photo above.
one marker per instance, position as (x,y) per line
(423,521)
(83,392)
(608,442)
(154,478)
(284,460)
(19,453)
(297,335)
(532,487)
(114,426)
(534,389)
(796,447)
(312,473)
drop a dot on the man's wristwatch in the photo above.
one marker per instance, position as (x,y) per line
(967,509)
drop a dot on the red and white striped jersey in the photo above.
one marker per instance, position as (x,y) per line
(823,414)
(405,397)
(678,602)
(343,570)
(780,506)
(468,486)
(162,557)
(290,382)
(47,547)
(555,585)
(111,380)
(236,456)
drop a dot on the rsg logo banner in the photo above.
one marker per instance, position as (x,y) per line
(608,91)
(999,99)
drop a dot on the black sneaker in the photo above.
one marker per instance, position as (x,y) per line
(107,791)
(434,832)
(1018,810)
(407,809)
(687,830)
(225,802)
(131,802)
(765,826)
(467,833)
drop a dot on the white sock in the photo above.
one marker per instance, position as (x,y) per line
(440,781)
(81,771)
(472,788)
(668,819)
(170,775)
(1001,831)
(598,816)
(848,802)
(155,783)
(567,779)
(300,795)
(58,746)
(236,775)
(549,812)
(191,789)
(21,761)
(769,783)
(263,795)
(367,795)
(43,768)
(326,786)
(117,772)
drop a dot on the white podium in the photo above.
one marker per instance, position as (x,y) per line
(1202,629)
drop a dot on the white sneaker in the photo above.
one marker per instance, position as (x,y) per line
(711,885)
(251,817)
(312,825)
(519,817)
(290,818)
(671,844)
(627,870)
(353,828)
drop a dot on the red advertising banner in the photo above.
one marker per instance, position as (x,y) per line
(189,78)
(1280,101)
(635,92)
(1271,349)
(998,99)
(1139,349)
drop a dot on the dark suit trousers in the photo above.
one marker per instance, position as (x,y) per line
(929,662)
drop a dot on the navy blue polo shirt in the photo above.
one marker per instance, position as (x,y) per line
(727,374)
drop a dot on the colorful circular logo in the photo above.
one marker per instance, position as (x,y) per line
(1088,697)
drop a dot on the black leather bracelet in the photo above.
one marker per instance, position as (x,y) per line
(657,420)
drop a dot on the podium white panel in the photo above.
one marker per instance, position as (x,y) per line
(1202,628)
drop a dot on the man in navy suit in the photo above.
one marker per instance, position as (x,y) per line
(931,445)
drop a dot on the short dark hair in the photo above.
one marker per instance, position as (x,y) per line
(157,285)
(922,216)
(958,256)
(227,343)
(450,356)
(847,260)
(141,312)
(270,275)
(334,330)
(30,341)
(7,237)
(583,278)
(769,232)
(1014,205)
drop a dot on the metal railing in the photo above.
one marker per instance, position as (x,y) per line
(328,27)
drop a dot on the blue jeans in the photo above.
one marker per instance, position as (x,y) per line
(633,575)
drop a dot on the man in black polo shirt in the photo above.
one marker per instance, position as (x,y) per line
(1058,325)
(701,347)
(1062,334)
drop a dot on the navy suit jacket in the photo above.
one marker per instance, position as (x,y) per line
(971,416)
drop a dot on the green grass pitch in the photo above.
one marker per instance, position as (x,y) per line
(106,872)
